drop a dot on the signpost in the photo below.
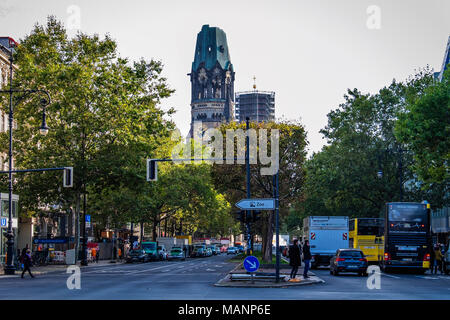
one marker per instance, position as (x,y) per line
(251,264)
(88,221)
(256,204)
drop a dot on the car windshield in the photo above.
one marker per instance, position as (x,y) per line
(350,254)
(151,246)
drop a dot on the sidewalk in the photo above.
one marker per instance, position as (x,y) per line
(40,270)
(284,277)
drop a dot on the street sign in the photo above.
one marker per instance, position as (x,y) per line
(3,222)
(256,204)
(251,264)
(88,221)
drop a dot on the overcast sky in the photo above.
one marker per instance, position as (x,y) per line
(308,52)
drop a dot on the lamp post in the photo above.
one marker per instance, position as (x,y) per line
(10,268)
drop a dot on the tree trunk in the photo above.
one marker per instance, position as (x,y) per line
(142,231)
(267,239)
(155,225)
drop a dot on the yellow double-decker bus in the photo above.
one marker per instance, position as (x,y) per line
(366,234)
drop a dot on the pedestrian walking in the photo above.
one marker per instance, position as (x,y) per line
(437,259)
(27,263)
(294,259)
(306,258)
(120,254)
(97,255)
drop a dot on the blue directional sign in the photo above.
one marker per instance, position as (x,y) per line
(251,264)
(88,221)
(3,222)
(256,204)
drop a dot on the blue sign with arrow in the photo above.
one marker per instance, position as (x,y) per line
(251,264)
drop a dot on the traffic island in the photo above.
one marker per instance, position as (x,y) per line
(265,278)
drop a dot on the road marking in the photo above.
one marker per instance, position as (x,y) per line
(390,276)
(210,269)
(442,277)
(427,278)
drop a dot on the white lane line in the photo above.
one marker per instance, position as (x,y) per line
(427,277)
(442,277)
(390,276)
(146,270)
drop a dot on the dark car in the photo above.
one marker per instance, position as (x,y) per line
(137,255)
(199,251)
(348,260)
(176,253)
(240,248)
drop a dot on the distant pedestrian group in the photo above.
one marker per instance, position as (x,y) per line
(295,259)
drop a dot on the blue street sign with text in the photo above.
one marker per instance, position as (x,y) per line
(3,222)
(251,264)
(256,204)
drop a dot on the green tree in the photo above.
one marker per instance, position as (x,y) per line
(424,127)
(342,178)
(104,117)
(231,179)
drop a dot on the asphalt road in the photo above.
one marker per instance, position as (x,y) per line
(193,279)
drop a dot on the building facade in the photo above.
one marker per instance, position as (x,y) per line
(212,79)
(445,62)
(258,106)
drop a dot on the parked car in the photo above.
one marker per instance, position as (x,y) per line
(348,260)
(213,249)
(223,249)
(137,255)
(209,252)
(176,253)
(217,249)
(162,252)
(240,248)
(199,251)
(232,250)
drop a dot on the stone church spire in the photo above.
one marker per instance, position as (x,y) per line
(212,79)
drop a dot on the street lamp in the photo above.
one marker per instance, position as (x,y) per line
(10,268)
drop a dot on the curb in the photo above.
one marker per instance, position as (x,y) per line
(226,282)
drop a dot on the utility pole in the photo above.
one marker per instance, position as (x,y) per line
(247,165)
(277,225)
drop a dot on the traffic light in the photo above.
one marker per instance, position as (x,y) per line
(249,216)
(152,170)
(256,216)
(240,216)
(68,177)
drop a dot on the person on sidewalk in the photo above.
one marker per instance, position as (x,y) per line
(306,258)
(27,263)
(437,259)
(294,259)
(97,255)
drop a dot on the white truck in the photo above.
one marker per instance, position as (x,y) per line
(326,234)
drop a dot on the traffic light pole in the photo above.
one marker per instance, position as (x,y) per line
(277,225)
(247,166)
